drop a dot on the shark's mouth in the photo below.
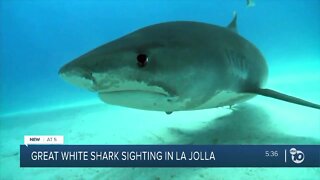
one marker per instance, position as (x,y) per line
(137,98)
(148,95)
(115,86)
(139,95)
(134,91)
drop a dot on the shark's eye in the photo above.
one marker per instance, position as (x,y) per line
(142,60)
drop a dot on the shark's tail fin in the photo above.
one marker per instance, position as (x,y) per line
(284,97)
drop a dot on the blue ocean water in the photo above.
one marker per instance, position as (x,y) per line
(38,37)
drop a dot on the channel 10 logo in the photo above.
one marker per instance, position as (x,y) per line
(297,156)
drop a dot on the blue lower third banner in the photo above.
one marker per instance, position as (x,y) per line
(170,156)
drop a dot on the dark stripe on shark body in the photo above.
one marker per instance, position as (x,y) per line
(236,62)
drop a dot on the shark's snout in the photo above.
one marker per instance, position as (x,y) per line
(78,76)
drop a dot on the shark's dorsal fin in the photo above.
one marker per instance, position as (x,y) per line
(233,24)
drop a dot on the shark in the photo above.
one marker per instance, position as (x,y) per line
(176,66)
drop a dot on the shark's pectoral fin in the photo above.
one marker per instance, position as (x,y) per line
(284,97)
(168,112)
(233,24)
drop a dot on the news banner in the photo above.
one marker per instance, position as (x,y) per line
(50,151)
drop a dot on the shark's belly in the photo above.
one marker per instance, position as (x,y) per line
(225,98)
(158,102)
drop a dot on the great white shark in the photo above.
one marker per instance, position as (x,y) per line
(176,66)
